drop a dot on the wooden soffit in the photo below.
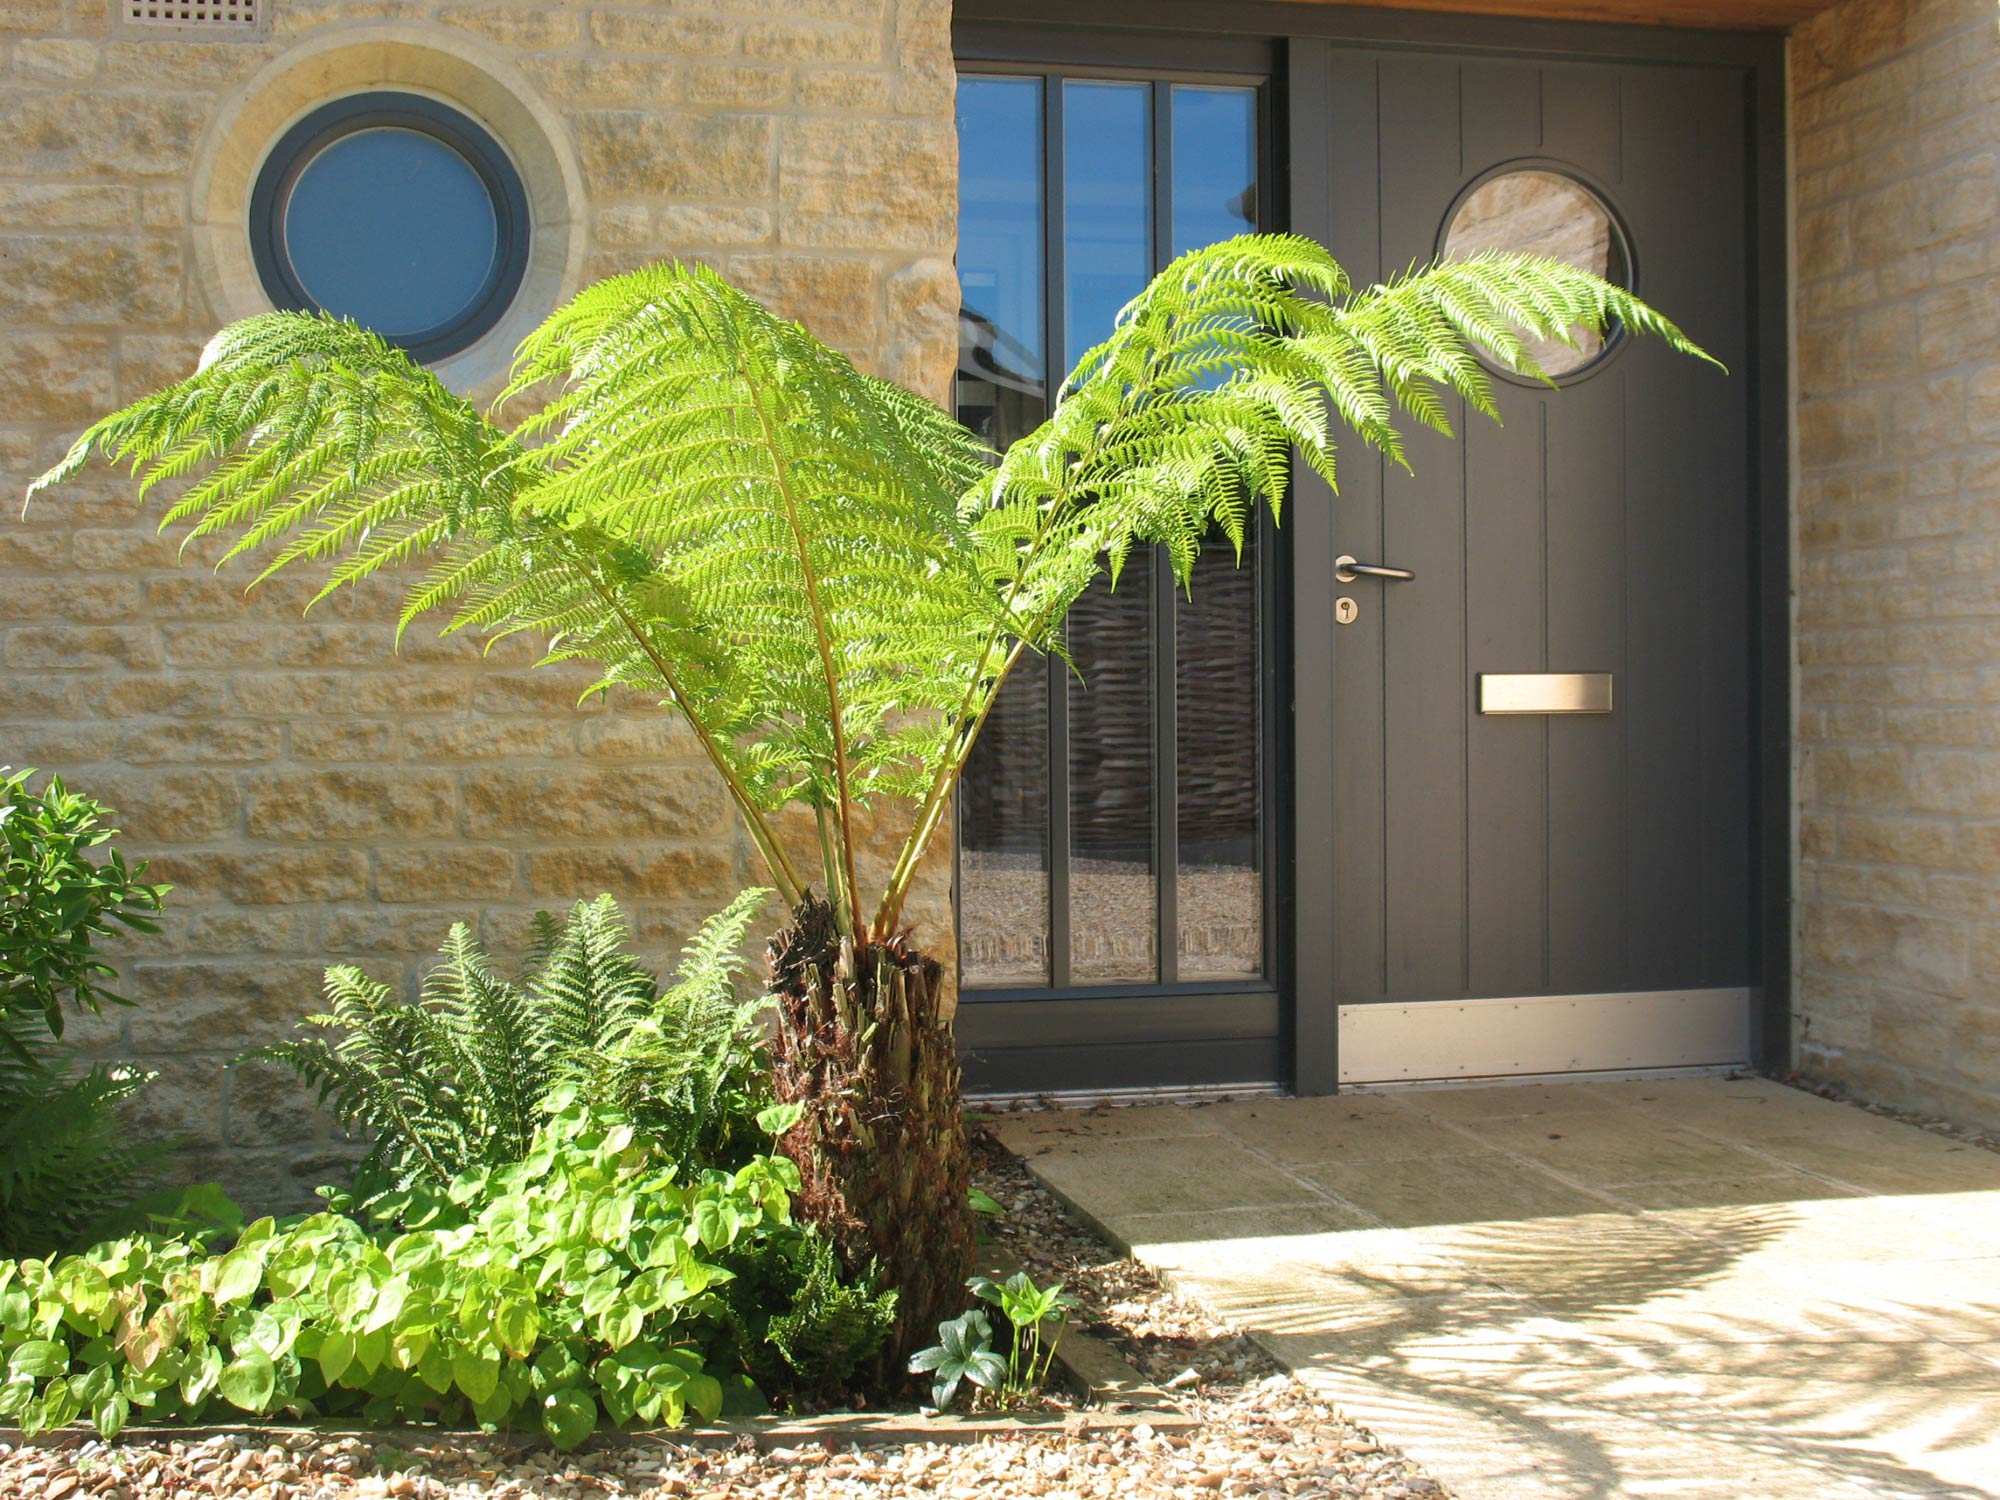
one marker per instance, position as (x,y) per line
(1729,15)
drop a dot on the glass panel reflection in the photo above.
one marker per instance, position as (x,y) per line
(1107,206)
(392,228)
(1220,882)
(1215,164)
(1003,857)
(1107,259)
(1001,370)
(1543,213)
(1003,799)
(1008,828)
(1113,879)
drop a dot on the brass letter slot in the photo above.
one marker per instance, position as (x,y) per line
(1545,692)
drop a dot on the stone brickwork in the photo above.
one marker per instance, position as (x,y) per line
(312,796)
(1896,119)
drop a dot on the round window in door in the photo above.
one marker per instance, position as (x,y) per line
(1538,211)
(397,211)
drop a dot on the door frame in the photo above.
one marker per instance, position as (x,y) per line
(1296,42)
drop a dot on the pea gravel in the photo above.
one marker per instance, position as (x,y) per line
(1261,1433)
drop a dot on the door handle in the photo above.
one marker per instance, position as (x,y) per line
(1346,570)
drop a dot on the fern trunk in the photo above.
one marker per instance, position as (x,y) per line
(865,1044)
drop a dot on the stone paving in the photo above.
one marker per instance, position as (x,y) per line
(1701,1287)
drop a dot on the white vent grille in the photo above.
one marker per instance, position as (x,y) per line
(224,15)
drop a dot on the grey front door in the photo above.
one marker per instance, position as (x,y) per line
(1480,893)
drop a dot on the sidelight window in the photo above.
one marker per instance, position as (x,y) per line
(1112,827)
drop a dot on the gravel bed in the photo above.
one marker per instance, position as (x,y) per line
(1262,1433)
(1949,1129)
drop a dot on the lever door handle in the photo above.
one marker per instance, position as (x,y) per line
(1346,570)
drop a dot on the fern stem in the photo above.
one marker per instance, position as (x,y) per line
(829,866)
(790,886)
(850,909)
(932,815)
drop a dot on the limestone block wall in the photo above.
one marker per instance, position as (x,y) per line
(312,796)
(1896,120)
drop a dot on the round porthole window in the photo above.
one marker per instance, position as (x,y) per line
(1536,211)
(396,211)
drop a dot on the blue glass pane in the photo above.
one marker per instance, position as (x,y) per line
(1002,393)
(392,228)
(1002,374)
(1107,260)
(1107,205)
(1215,164)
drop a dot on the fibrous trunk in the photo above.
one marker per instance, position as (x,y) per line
(865,1044)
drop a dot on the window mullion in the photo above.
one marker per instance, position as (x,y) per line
(1166,746)
(1055,314)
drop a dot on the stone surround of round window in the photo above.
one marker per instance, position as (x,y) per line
(348,129)
(397,211)
(1537,209)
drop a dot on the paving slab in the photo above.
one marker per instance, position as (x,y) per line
(1691,1289)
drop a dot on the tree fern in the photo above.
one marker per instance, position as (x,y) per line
(826,575)
(460,1076)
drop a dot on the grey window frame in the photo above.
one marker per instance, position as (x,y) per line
(1243,1015)
(349,114)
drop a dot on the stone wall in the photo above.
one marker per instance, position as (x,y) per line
(312,796)
(1896,119)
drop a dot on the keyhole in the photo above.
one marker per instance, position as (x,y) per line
(1345,610)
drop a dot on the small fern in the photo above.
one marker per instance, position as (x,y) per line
(459,1077)
(70,1173)
(832,1329)
(686,1066)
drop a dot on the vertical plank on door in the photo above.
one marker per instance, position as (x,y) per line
(1506,769)
(1424,698)
(1587,633)
(1690,770)
(1360,964)
(1501,115)
(1581,121)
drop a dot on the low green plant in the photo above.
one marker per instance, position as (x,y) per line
(1035,1316)
(69,1171)
(587,1283)
(964,1351)
(805,1327)
(458,1078)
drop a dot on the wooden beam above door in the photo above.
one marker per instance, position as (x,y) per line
(1731,15)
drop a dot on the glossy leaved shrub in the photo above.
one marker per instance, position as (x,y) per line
(592,1281)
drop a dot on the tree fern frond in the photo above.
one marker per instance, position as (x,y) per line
(829,577)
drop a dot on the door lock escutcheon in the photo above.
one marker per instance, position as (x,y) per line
(1345,610)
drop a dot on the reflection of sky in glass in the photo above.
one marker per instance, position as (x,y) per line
(1000,216)
(1215,165)
(1111,856)
(392,228)
(1107,206)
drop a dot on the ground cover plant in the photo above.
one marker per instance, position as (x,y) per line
(590,1281)
(68,1168)
(827,576)
(570,1215)
(1034,1318)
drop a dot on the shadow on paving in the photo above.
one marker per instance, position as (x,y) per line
(1812,1400)
(1500,1298)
